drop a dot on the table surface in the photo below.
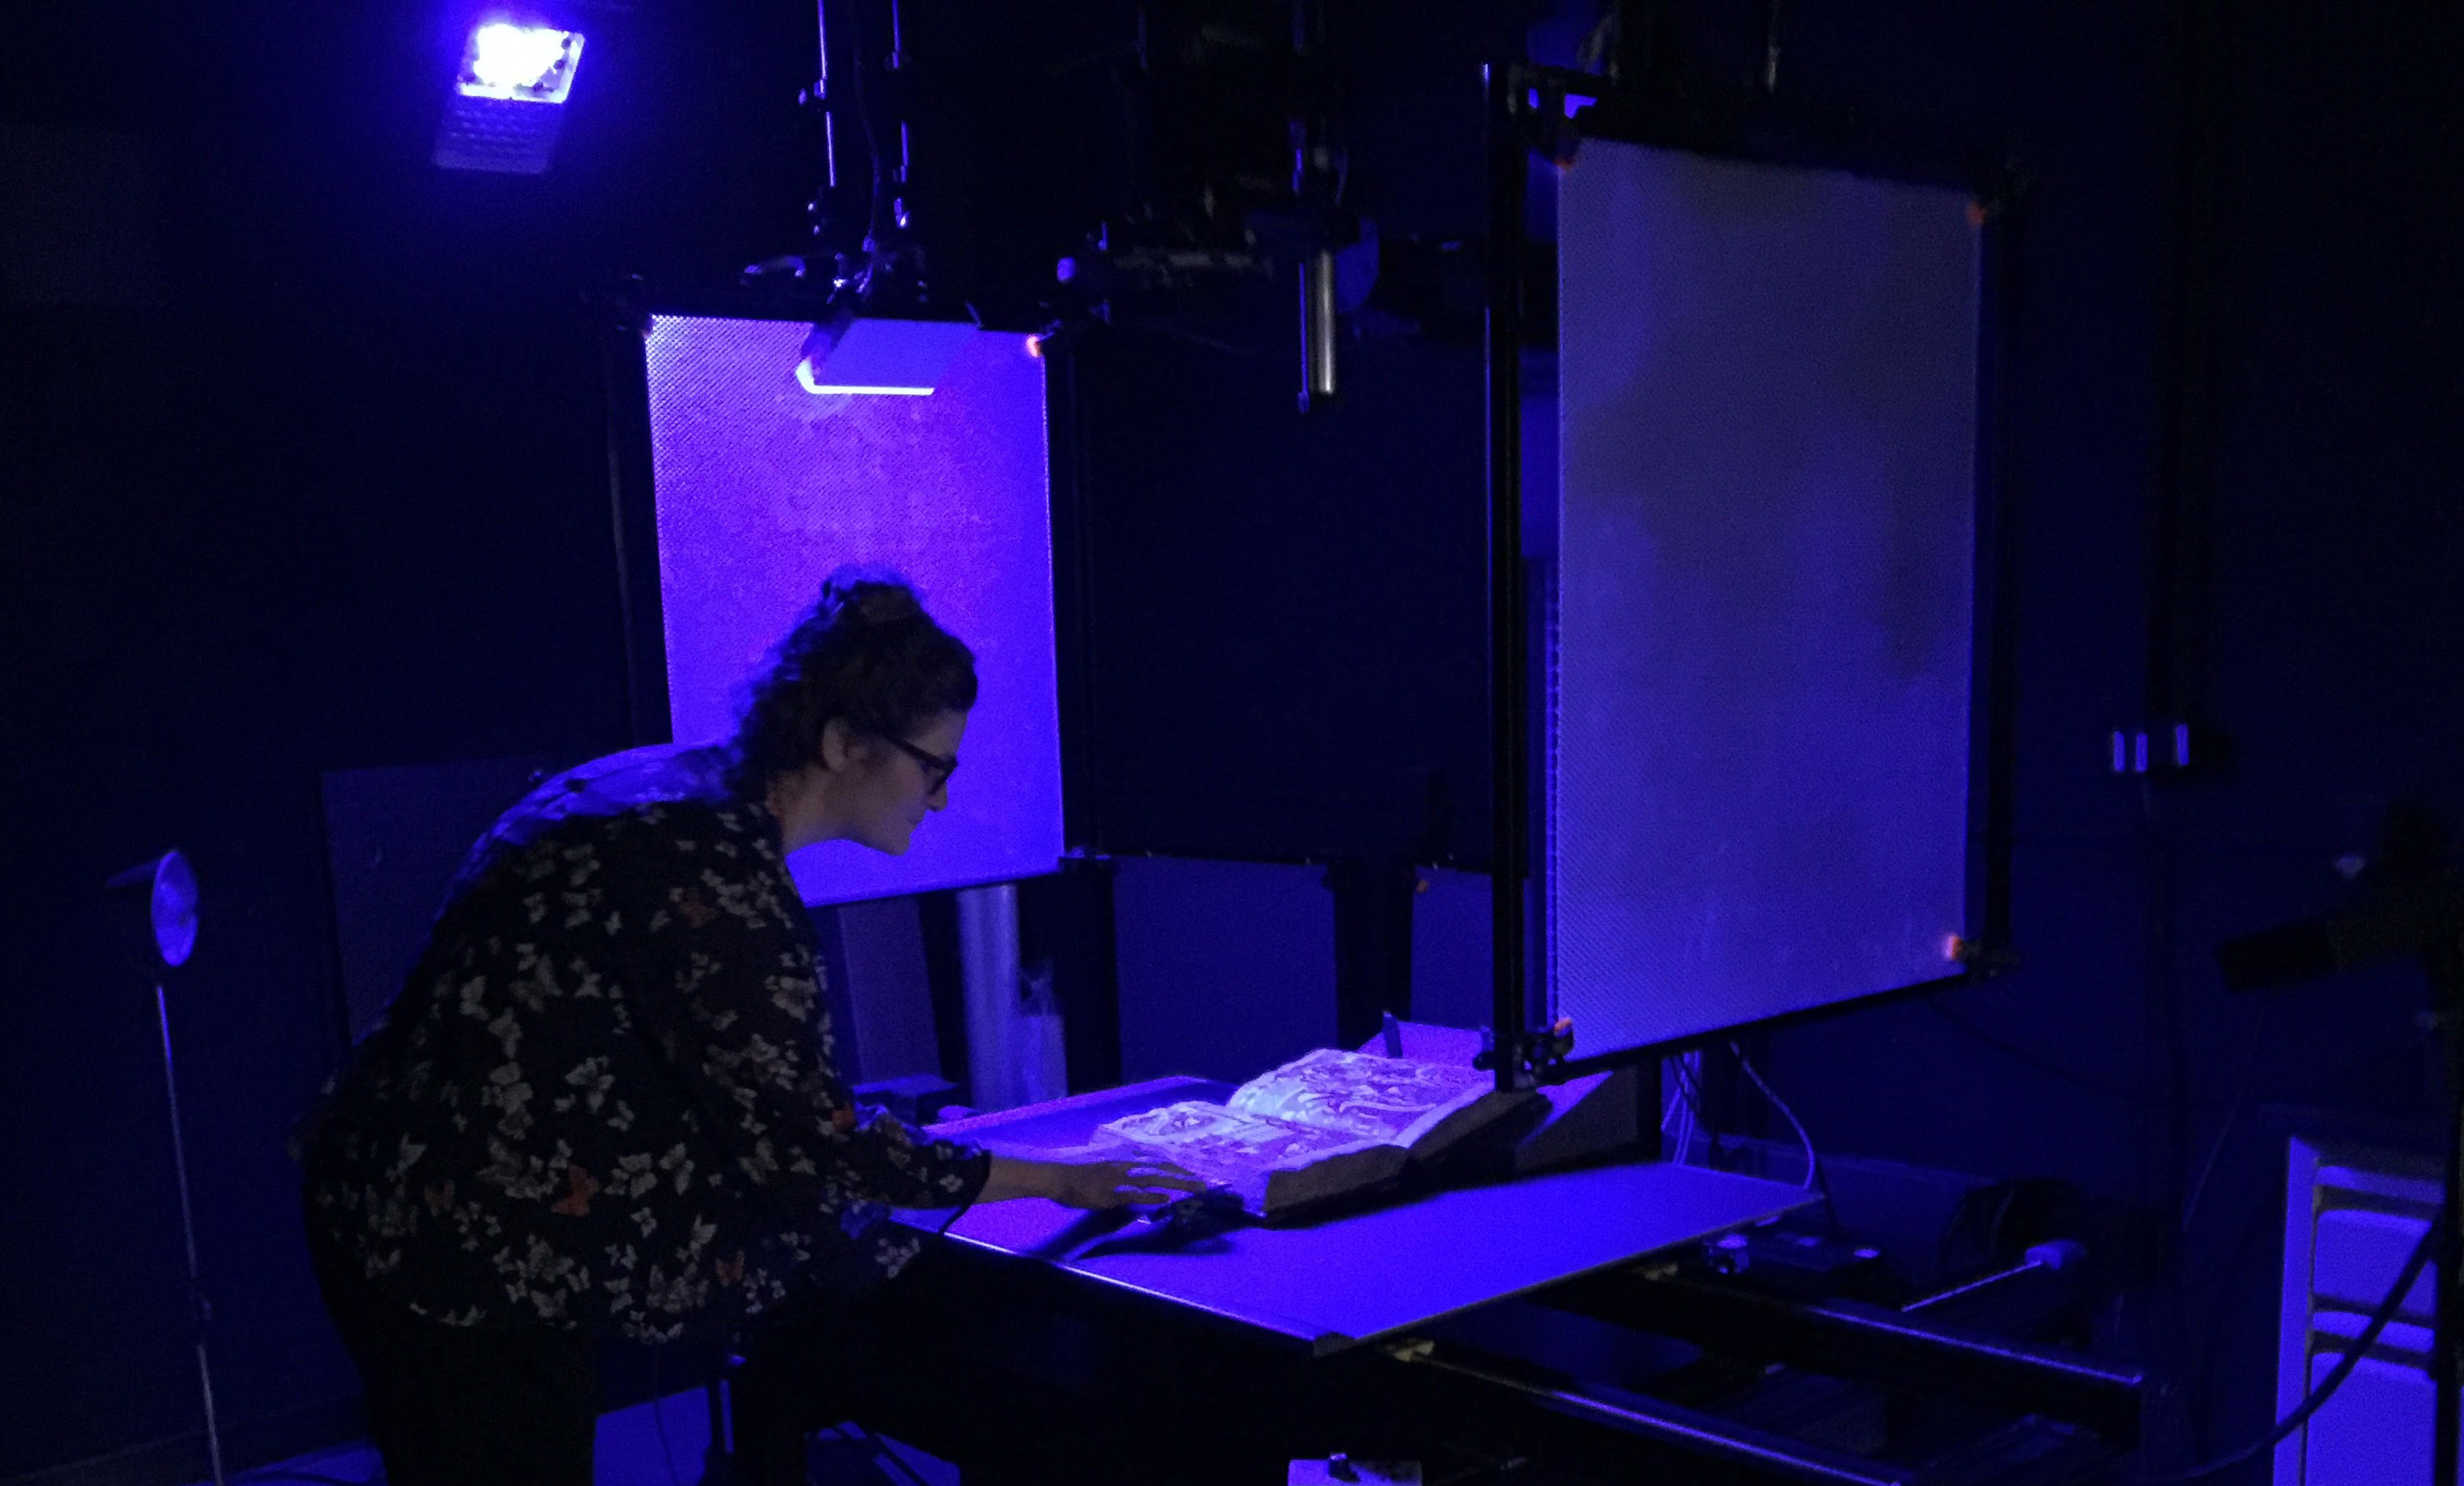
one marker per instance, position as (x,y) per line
(1371,1275)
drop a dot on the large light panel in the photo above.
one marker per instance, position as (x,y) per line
(762,489)
(1759,779)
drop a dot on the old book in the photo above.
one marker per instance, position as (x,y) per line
(1324,1126)
(1597,1115)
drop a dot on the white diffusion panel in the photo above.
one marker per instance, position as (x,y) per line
(1759,792)
(762,488)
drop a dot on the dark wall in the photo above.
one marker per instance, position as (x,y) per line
(2236,447)
(1287,658)
(301,450)
(303,469)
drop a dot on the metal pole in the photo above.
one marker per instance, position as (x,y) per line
(200,1310)
(1509,704)
(2447,1416)
(1317,329)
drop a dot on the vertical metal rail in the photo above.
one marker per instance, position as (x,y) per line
(2444,960)
(1510,699)
(625,375)
(1995,679)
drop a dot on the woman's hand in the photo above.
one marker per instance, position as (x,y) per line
(1119,1184)
(1090,1184)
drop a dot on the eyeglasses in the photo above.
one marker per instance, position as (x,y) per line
(937,767)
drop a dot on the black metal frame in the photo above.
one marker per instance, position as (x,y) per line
(1908,1353)
(1509,616)
(625,370)
(1064,1365)
(1073,581)
(1525,111)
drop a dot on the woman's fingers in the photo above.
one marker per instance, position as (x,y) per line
(1162,1173)
(1118,1183)
(1147,1183)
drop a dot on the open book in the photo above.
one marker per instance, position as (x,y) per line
(1326,1126)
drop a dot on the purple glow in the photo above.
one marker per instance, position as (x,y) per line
(531,65)
(814,382)
(761,489)
(1767,476)
(882,357)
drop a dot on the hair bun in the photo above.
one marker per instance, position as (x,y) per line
(866,653)
(861,598)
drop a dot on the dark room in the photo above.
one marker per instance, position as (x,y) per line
(1232,743)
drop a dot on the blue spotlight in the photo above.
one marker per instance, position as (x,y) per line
(508,98)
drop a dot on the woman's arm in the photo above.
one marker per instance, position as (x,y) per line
(1088,1184)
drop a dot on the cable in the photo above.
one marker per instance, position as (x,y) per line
(1685,1128)
(1692,1085)
(2378,1053)
(2327,1388)
(1676,1117)
(2021,1054)
(875,260)
(1812,1163)
(1771,51)
(1815,1179)
(1592,52)
(2232,1117)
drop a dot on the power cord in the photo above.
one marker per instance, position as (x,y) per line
(1691,1085)
(1813,1162)
(2232,1117)
(2020,1055)
(1815,1179)
(1675,1112)
(2317,1396)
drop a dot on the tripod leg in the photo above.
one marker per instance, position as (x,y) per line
(213,1430)
(200,1311)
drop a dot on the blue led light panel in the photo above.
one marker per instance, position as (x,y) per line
(1758,788)
(762,489)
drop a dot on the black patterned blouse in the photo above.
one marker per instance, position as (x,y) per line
(603,1098)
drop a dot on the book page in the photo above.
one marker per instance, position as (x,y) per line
(1390,1100)
(1229,1146)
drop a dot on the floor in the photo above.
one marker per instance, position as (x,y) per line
(659,1443)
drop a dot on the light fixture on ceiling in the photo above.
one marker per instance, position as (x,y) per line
(508,98)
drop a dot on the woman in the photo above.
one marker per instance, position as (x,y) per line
(603,1104)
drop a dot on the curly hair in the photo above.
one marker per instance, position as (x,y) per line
(866,653)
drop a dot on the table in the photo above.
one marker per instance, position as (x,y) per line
(1337,1284)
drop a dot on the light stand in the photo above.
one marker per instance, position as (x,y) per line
(170,937)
